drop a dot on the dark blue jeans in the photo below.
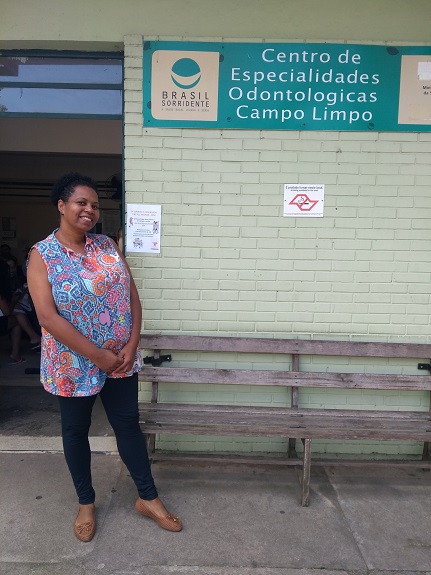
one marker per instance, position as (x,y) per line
(120,400)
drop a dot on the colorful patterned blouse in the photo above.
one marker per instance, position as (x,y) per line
(92,292)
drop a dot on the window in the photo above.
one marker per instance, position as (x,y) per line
(61,86)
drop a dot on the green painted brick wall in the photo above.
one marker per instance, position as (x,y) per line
(231,264)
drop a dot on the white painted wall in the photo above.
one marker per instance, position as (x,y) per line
(58,23)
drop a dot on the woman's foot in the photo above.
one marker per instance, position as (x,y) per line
(157,511)
(84,527)
(35,343)
(15,360)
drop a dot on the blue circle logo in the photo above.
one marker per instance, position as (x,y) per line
(186,73)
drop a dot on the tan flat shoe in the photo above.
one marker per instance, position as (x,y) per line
(84,531)
(169,522)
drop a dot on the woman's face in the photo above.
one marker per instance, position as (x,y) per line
(81,210)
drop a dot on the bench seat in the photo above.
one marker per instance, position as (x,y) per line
(285,422)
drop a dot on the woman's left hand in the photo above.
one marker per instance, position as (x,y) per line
(127,356)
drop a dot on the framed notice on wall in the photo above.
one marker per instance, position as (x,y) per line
(283,86)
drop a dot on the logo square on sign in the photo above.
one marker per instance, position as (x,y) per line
(184,85)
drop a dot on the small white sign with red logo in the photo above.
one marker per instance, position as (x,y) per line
(304,200)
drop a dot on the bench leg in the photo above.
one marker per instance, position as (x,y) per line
(306,466)
(426,453)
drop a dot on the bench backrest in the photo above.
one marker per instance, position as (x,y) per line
(285,346)
(293,378)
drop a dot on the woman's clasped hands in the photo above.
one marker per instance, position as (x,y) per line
(127,355)
(107,360)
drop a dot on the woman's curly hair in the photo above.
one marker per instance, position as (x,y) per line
(65,186)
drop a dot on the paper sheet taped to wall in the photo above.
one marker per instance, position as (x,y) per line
(424,71)
(143,228)
(415,90)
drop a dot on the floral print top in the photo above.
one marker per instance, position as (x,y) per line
(92,292)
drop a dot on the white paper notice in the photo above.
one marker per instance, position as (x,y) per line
(424,71)
(143,228)
(304,200)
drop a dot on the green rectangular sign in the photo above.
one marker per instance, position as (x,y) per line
(283,86)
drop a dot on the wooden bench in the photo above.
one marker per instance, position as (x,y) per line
(292,422)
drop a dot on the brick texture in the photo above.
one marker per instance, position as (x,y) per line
(231,264)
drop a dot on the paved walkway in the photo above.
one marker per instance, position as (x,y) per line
(238,520)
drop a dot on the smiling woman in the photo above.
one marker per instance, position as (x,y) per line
(90,313)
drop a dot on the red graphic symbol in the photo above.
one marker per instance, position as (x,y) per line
(303,202)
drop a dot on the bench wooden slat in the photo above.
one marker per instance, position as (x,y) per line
(253,431)
(316,424)
(171,410)
(280,460)
(320,428)
(349,418)
(191,428)
(285,346)
(284,378)
(317,429)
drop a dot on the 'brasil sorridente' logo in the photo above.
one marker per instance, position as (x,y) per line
(184,86)
(186,73)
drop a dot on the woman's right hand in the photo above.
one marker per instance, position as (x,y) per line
(106,360)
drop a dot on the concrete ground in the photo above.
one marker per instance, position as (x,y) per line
(238,519)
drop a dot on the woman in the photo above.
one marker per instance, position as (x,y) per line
(89,310)
(8,322)
(21,305)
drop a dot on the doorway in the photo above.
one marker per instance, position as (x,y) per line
(38,144)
